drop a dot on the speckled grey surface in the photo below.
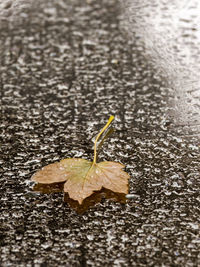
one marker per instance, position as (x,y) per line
(65,67)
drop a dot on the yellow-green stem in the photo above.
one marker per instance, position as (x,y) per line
(98,136)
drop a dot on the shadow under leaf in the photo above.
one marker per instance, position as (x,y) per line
(90,201)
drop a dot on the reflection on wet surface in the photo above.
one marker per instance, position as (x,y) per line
(87,203)
(49,188)
(170,34)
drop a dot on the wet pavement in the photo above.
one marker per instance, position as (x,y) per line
(66,66)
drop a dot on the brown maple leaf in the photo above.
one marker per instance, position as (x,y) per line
(83,177)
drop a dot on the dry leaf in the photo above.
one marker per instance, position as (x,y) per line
(83,177)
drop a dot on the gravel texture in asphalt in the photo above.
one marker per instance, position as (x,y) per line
(65,67)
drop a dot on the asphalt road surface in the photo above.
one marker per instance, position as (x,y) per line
(65,67)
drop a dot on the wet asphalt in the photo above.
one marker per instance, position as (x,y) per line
(65,67)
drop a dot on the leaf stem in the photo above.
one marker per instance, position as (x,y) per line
(98,136)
